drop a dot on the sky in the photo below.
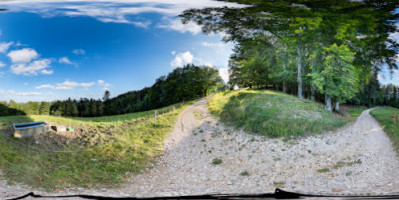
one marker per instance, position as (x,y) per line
(51,50)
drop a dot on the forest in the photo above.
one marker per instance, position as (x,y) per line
(182,84)
(329,51)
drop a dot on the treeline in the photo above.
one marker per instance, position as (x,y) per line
(187,83)
(322,50)
(29,108)
(375,95)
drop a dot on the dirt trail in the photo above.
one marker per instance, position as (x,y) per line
(356,159)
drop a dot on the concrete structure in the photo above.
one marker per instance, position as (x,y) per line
(22,130)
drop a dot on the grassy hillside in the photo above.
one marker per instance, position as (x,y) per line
(384,116)
(276,114)
(106,151)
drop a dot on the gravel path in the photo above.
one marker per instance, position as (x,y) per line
(356,159)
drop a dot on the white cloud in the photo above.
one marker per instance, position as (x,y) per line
(23,55)
(380,77)
(75,84)
(66,85)
(103,83)
(32,69)
(2,64)
(4,46)
(45,86)
(79,52)
(119,11)
(395,35)
(224,73)
(47,72)
(182,59)
(12,92)
(63,88)
(176,25)
(65,60)
(216,44)
(173,52)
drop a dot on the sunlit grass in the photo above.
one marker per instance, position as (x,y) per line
(385,116)
(275,114)
(133,149)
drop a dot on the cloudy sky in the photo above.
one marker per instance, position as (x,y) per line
(51,50)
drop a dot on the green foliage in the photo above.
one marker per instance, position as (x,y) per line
(217,161)
(338,77)
(244,173)
(329,47)
(182,84)
(385,116)
(273,114)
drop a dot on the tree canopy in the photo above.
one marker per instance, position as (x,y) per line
(331,47)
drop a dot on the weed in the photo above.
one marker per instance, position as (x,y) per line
(279,184)
(323,170)
(244,173)
(348,173)
(217,161)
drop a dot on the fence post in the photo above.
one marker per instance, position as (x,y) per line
(155,117)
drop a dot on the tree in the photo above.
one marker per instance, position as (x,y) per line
(106,96)
(338,78)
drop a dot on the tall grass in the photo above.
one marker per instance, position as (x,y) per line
(273,113)
(385,116)
(133,149)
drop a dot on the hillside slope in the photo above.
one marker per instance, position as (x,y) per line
(101,151)
(275,114)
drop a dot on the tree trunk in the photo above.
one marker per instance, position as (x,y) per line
(299,60)
(284,82)
(284,87)
(337,106)
(312,91)
(328,103)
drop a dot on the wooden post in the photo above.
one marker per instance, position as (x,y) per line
(155,117)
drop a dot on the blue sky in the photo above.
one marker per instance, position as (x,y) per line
(52,50)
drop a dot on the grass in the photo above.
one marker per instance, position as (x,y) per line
(217,161)
(276,114)
(323,170)
(385,116)
(244,173)
(128,148)
(279,184)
